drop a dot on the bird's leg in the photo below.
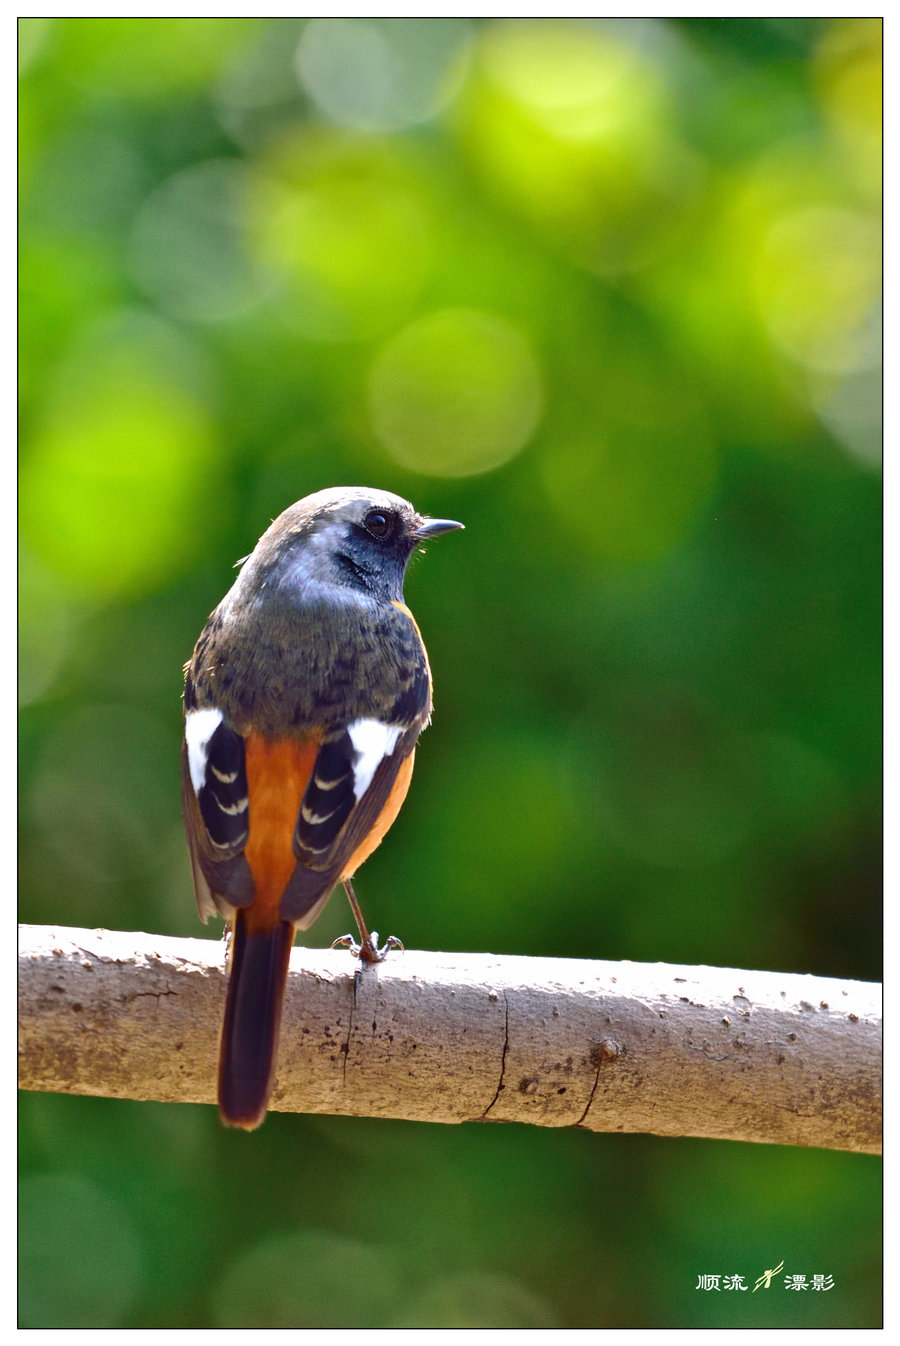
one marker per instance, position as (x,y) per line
(367,950)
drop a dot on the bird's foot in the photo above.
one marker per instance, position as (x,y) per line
(367,950)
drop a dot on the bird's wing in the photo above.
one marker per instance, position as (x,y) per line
(216,812)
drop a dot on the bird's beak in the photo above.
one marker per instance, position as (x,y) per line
(430,528)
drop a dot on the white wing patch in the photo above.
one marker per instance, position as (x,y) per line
(199,727)
(372,741)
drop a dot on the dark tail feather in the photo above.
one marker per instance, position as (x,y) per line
(259,967)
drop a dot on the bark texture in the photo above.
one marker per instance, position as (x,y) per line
(772,1057)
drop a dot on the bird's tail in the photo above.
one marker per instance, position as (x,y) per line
(247,1054)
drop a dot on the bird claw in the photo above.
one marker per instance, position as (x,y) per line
(368,951)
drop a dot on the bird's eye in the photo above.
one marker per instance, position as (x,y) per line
(378,523)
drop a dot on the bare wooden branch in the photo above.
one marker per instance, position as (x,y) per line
(677,1051)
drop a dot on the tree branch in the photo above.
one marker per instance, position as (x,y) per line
(677,1051)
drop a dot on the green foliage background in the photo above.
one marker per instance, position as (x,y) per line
(608,292)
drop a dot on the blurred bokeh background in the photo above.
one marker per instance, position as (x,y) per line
(609,292)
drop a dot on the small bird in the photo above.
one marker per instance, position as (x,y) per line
(303,701)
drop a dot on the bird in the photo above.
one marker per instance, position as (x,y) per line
(303,701)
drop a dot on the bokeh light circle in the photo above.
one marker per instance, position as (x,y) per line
(818,285)
(382,74)
(351,252)
(81,1263)
(456,393)
(286,1280)
(109,485)
(188,248)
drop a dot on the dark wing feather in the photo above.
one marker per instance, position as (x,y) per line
(194,829)
(224,803)
(320,869)
(368,810)
(327,803)
(216,822)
